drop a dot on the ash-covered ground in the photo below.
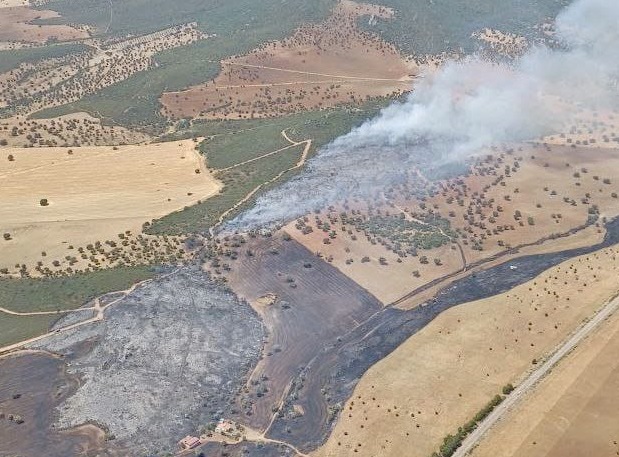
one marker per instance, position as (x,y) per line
(329,380)
(166,360)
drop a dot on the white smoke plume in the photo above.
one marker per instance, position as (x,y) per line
(467,105)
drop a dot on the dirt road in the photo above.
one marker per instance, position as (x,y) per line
(326,75)
(97,308)
(473,439)
(299,164)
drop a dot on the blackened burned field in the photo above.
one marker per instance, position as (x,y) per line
(306,305)
(329,379)
(166,360)
(175,354)
(31,385)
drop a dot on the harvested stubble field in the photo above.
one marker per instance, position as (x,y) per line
(574,411)
(496,339)
(110,190)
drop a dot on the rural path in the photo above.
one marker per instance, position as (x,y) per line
(97,308)
(109,24)
(288,83)
(255,159)
(312,73)
(299,164)
(43,313)
(530,382)
(252,435)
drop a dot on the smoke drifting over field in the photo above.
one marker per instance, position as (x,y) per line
(466,106)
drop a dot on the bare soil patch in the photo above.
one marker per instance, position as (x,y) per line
(15,25)
(319,66)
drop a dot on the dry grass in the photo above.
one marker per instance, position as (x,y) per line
(574,411)
(15,26)
(72,130)
(556,187)
(319,66)
(439,378)
(503,43)
(386,282)
(13,3)
(94,193)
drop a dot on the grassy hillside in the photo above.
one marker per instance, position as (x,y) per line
(52,294)
(213,16)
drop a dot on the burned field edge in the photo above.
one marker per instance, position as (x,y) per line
(322,385)
(55,294)
(329,380)
(179,339)
(34,384)
(230,143)
(313,304)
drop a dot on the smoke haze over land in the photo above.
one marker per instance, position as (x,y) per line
(464,107)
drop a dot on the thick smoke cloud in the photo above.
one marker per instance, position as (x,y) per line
(466,106)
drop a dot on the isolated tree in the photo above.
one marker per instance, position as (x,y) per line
(507,389)
(43,202)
